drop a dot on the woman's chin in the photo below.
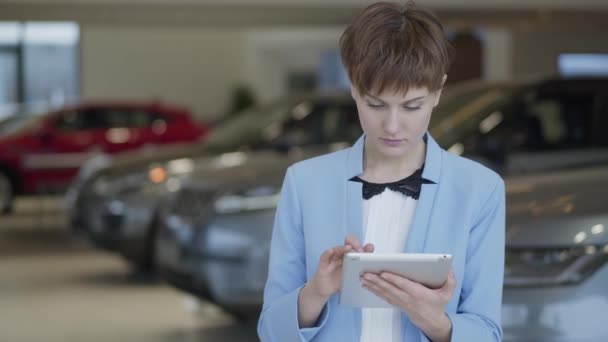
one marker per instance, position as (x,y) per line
(394,152)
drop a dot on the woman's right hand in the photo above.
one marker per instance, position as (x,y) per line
(328,278)
(326,282)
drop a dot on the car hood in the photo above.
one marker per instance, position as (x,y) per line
(563,208)
(151,154)
(553,209)
(254,168)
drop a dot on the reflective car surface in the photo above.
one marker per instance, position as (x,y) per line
(118,205)
(557,249)
(557,253)
(117,202)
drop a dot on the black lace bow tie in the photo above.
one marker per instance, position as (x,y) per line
(409,186)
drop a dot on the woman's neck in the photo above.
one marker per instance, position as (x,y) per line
(378,169)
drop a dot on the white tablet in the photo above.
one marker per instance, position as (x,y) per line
(429,269)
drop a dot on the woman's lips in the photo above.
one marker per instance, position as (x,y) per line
(392,142)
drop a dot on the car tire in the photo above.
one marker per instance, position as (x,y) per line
(7,194)
(243,316)
(146,263)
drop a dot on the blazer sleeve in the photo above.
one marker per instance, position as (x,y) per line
(478,317)
(286,273)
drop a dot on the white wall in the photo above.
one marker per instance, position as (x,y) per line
(513,4)
(197,67)
(188,66)
(270,53)
(535,53)
(497,53)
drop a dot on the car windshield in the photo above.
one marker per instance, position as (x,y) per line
(251,126)
(458,105)
(464,106)
(16,123)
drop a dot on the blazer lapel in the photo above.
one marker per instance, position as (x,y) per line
(353,208)
(353,212)
(417,236)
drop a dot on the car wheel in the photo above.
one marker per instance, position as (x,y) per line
(6,194)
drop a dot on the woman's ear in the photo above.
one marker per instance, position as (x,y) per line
(438,94)
(353,92)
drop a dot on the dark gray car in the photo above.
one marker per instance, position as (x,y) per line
(219,247)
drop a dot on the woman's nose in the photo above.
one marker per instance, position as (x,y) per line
(391,124)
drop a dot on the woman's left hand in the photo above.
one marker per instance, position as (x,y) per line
(424,306)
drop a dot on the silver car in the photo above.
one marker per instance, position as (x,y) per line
(557,250)
(556,275)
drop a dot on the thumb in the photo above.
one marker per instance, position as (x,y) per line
(449,285)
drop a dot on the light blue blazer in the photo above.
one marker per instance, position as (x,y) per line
(463,214)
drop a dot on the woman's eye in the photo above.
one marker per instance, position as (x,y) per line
(411,109)
(375,105)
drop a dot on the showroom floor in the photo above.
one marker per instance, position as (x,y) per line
(54,287)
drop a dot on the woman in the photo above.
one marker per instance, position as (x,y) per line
(394,191)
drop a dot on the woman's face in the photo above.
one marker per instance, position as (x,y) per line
(394,124)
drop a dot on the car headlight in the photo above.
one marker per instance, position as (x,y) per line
(552,266)
(168,175)
(258,198)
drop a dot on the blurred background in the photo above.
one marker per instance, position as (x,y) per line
(143,144)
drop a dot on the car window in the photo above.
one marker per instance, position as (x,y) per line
(565,119)
(599,136)
(127,117)
(322,123)
(85,119)
(534,121)
(244,128)
(304,126)
(284,123)
(104,118)
(553,120)
(462,112)
(348,128)
(18,123)
(70,121)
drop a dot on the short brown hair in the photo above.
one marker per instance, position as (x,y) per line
(394,46)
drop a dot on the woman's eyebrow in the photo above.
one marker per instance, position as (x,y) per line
(404,102)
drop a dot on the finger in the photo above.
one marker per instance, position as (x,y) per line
(340,251)
(383,288)
(402,283)
(352,240)
(369,248)
(372,287)
(449,286)
(326,256)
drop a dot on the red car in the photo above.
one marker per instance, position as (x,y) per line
(41,154)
